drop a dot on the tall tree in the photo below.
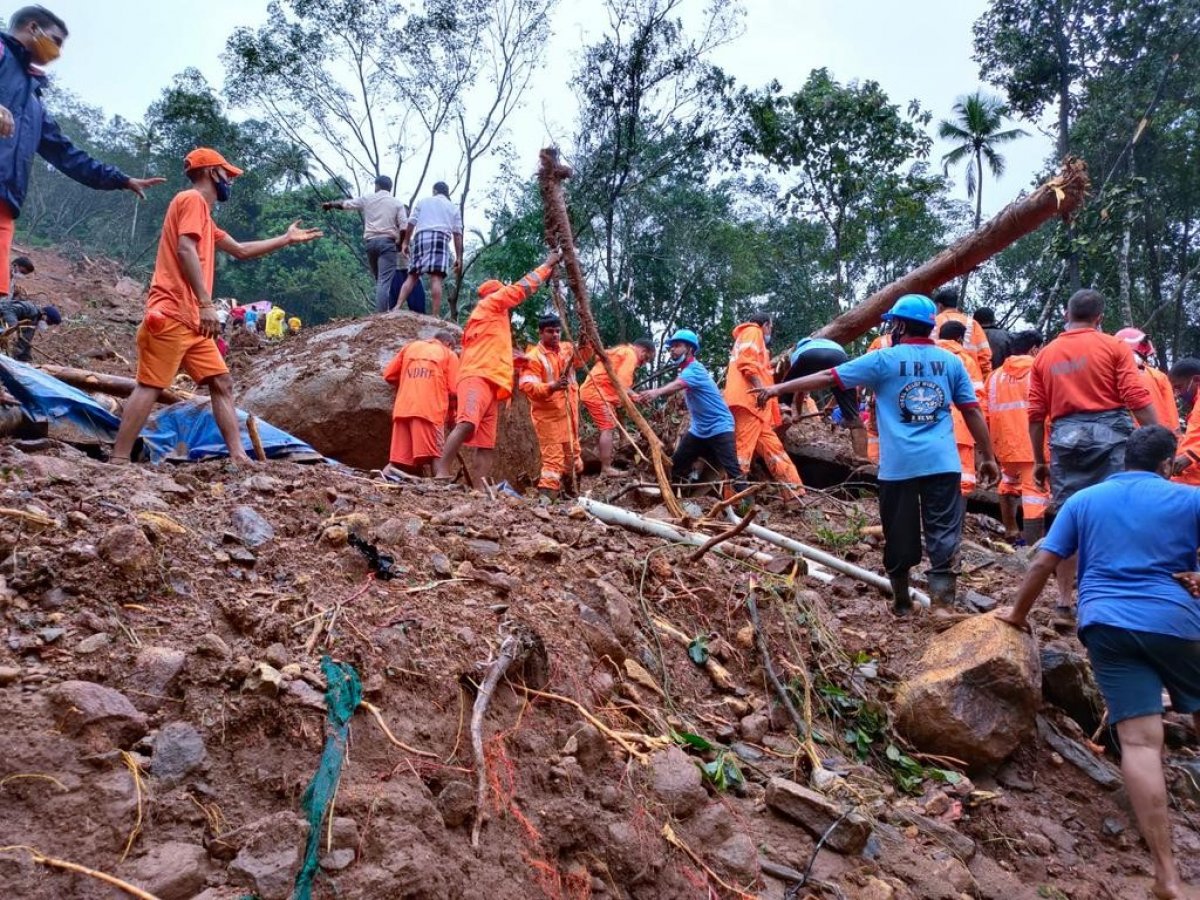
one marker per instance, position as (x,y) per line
(978,128)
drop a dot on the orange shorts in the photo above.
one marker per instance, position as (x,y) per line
(601,413)
(415,442)
(478,404)
(7,226)
(164,345)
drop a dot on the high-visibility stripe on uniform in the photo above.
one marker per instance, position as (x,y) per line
(1008,407)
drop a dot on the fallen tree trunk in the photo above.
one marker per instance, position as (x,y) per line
(100,383)
(551,175)
(1060,196)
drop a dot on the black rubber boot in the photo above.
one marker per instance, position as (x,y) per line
(901,597)
(943,588)
(1033,532)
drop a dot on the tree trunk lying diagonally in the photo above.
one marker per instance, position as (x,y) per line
(1061,196)
(551,174)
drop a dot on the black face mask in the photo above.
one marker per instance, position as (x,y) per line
(224,187)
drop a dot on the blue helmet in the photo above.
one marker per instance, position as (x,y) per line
(685,336)
(914,308)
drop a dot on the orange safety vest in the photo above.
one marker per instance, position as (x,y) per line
(543,367)
(1189,446)
(1008,410)
(748,358)
(975,341)
(598,389)
(424,374)
(487,348)
(962,434)
(1163,395)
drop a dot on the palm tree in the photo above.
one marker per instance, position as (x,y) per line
(978,120)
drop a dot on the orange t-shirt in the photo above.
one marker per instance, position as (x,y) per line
(597,386)
(425,374)
(1084,370)
(975,340)
(1008,410)
(750,357)
(962,434)
(1160,389)
(487,348)
(1189,444)
(170,293)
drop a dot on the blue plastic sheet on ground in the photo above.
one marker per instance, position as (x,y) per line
(343,693)
(72,415)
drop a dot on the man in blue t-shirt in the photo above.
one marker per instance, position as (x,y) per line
(1138,614)
(814,354)
(710,433)
(915,383)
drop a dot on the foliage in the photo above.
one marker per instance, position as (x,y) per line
(978,127)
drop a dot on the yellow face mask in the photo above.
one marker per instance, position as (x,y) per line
(46,48)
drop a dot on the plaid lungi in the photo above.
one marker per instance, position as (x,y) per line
(430,253)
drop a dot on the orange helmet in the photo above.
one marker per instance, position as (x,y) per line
(1137,340)
(490,287)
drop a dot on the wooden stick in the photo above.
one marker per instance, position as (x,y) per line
(717,672)
(374,710)
(722,505)
(619,737)
(42,859)
(723,536)
(255,441)
(467,472)
(114,385)
(508,652)
(760,639)
(550,177)
(674,840)
(32,518)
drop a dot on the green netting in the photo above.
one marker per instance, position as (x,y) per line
(343,693)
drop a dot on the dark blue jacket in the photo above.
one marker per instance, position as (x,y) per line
(37,132)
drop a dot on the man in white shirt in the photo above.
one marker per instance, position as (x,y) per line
(384,221)
(434,222)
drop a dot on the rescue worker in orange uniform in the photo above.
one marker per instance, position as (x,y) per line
(974,340)
(952,334)
(424,374)
(754,427)
(881,341)
(553,402)
(1185,379)
(1008,422)
(600,399)
(485,369)
(1157,382)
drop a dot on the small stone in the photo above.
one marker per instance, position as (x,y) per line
(816,813)
(270,853)
(50,635)
(276,655)
(173,871)
(1039,843)
(938,805)
(291,671)
(178,751)
(250,527)
(344,833)
(212,645)
(263,483)
(1113,827)
(677,782)
(754,728)
(981,602)
(738,856)
(93,643)
(456,803)
(8,675)
(440,563)
(263,679)
(242,556)
(54,598)
(336,535)
(1011,777)
(155,675)
(337,860)
(1055,760)
(304,694)
(101,716)
(127,548)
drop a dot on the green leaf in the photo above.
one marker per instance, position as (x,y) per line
(698,650)
(893,753)
(695,741)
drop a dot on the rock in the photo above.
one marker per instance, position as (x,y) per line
(270,853)
(99,715)
(1011,777)
(155,675)
(958,844)
(1113,826)
(276,655)
(93,643)
(146,500)
(1098,769)
(173,871)
(1067,682)
(738,856)
(816,812)
(263,679)
(127,548)
(591,748)
(391,532)
(981,602)
(178,751)
(675,779)
(304,694)
(975,694)
(440,563)
(1186,784)
(938,805)
(1038,843)
(754,728)
(344,833)
(249,527)
(336,860)
(50,635)
(599,636)
(264,484)
(212,645)
(456,803)
(875,889)
(336,535)
(9,675)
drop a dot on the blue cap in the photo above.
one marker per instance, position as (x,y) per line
(685,336)
(52,315)
(914,308)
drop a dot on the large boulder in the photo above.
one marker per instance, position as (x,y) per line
(975,693)
(326,387)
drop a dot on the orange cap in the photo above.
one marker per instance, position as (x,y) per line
(205,158)
(490,287)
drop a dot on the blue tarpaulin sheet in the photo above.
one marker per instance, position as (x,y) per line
(73,416)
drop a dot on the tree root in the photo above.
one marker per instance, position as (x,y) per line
(374,710)
(723,536)
(622,738)
(42,859)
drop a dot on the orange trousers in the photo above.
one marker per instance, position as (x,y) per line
(7,226)
(1016,480)
(557,442)
(966,457)
(752,436)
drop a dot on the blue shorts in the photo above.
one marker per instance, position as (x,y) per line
(1133,667)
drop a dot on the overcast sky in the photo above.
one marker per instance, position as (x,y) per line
(121,54)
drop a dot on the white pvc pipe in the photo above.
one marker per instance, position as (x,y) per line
(826,559)
(618,515)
